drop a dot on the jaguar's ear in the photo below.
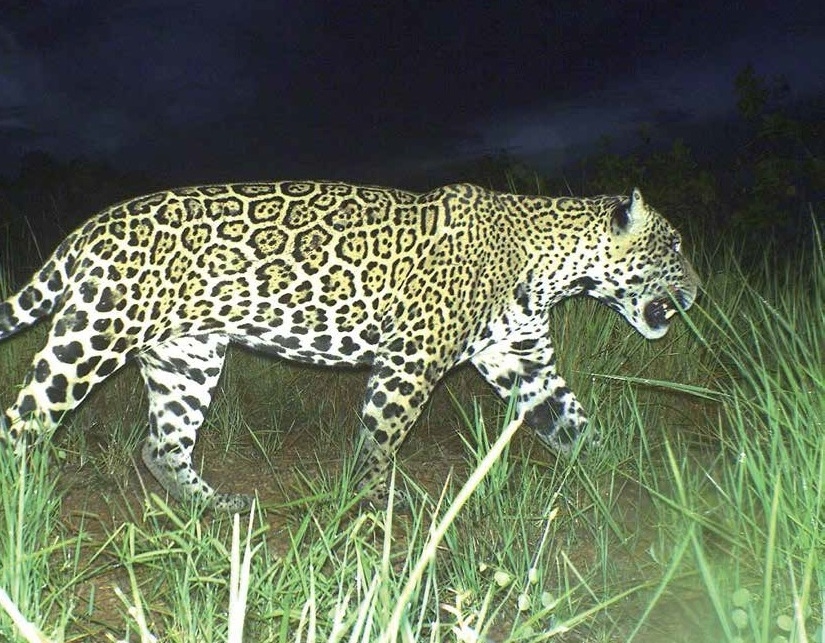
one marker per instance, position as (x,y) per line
(626,215)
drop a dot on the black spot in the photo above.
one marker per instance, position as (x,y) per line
(79,390)
(544,416)
(215,370)
(371,335)
(168,429)
(379,398)
(196,375)
(88,292)
(192,402)
(84,368)
(26,299)
(506,381)
(27,406)
(121,345)
(525,345)
(43,309)
(529,366)
(385,372)
(55,282)
(322,343)
(396,346)
(70,353)
(107,367)
(392,410)
(290,343)
(100,343)
(414,368)
(348,347)
(42,371)
(406,388)
(57,391)
(176,408)
(156,387)
(107,301)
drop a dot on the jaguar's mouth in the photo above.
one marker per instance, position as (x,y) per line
(659,312)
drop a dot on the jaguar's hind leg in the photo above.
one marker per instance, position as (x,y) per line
(62,374)
(180,376)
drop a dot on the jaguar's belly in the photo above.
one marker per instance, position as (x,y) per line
(320,347)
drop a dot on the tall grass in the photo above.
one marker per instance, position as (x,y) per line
(773,489)
(35,555)
(699,517)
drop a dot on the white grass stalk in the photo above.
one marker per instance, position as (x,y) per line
(428,553)
(239,577)
(26,628)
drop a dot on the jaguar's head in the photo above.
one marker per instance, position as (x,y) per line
(645,277)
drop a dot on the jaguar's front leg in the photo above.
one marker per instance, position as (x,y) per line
(545,401)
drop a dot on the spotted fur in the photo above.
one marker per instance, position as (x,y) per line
(406,284)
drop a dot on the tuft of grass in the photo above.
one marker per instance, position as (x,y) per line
(773,350)
(36,557)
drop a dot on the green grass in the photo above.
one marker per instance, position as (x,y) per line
(699,518)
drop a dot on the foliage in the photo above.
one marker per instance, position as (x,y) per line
(780,167)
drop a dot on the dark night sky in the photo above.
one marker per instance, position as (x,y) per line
(236,89)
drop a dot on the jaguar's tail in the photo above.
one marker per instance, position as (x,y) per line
(39,297)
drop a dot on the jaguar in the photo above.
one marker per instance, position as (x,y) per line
(406,284)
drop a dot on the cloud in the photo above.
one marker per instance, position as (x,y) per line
(239,85)
(662,94)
